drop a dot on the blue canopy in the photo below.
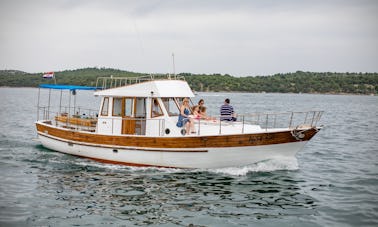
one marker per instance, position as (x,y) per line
(67,87)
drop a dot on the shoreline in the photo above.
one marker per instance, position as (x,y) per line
(312,93)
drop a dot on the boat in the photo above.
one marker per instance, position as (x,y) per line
(126,130)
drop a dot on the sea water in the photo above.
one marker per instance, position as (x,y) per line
(332,182)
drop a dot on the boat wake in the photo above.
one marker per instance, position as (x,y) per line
(264,166)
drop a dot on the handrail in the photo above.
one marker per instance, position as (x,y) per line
(113,82)
(264,121)
(80,111)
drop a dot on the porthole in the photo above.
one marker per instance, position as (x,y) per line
(183,132)
(167,131)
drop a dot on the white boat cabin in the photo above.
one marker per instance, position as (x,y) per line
(148,109)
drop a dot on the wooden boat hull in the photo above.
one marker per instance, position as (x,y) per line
(177,152)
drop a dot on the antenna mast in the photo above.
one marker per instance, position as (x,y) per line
(173,59)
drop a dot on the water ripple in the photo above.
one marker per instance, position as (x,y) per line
(332,183)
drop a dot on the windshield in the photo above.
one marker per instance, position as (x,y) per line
(171,106)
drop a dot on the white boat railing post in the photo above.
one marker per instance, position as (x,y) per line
(163,128)
(74,108)
(159,129)
(220,126)
(39,92)
(291,119)
(69,109)
(243,124)
(305,118)
(60,101)
(199,126)
(48,107)
(312,120)
(320,113)
(112,126)
(266,122)
(258,118)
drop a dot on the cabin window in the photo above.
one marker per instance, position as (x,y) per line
(129,107)
(140,108)
(105,107)
(155,108)
(117,106)
(171,106)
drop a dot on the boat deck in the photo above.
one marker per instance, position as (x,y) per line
(202,127)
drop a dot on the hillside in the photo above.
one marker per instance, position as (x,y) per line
(297,82)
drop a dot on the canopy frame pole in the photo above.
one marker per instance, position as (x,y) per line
(74,96)
(48,106)
(69,108)
(39,93)
(60,102)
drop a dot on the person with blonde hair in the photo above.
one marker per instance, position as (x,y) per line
(184,119)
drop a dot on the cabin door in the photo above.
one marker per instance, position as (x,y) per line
(128,121)
(140,116)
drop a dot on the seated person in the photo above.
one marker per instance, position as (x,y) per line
(203,114)
(196,112)
(184,119)
(227,111)
(156,110)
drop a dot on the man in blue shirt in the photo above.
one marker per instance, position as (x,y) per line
(227,111)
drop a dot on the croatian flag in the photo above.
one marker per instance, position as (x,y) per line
(48,75)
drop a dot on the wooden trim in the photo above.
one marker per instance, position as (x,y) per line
(188,142)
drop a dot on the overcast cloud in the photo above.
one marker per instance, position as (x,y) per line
(215,36)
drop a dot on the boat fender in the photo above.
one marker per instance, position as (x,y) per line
(167,131)
(298,135)
(183,132)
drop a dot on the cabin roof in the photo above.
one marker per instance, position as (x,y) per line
(155,88)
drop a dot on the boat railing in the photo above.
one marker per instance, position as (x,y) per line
(284,119)
(82,119)
(265,121)
(46,112)
(113,82)
(86,119)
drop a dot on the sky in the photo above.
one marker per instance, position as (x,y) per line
(236,37)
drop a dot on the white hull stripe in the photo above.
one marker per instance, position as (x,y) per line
(121,147)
